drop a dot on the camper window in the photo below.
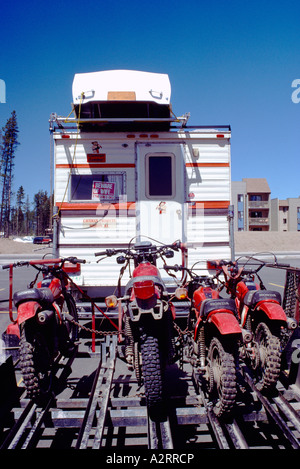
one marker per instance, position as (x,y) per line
(104,187)
(160,178)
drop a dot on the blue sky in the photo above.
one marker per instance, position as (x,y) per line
(229,62)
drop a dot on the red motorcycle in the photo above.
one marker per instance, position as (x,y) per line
(214,338)
(45,326)
(146,315)
(260,313)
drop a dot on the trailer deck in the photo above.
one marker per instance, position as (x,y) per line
(104,408)
(96,401)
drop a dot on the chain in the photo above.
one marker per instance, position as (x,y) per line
(68,317)
(93,331)
(180,331)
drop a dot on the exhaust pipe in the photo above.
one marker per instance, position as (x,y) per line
(44,316)
(291,323)
(247,336)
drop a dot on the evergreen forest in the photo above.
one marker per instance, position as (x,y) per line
(18,215)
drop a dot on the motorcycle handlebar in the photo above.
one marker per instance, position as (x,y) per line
(45,261)
(15,264)
(279,264)
(111,252)
(73,260)
(59,260)
(175,267)
(108,252)
(248,271)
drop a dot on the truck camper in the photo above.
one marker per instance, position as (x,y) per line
(126,169)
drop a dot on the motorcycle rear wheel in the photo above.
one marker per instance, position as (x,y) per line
(269,363)
(222,376)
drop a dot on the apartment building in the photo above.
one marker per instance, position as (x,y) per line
(285,214)
(254,210)
(252,205)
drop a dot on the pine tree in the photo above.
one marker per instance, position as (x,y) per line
(42,212)
(8,147)
(19,211)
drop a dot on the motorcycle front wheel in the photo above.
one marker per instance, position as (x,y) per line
(222,377)
(35,360)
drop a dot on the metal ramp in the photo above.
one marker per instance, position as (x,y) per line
(112,412)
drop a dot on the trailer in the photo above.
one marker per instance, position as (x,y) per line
(127,169)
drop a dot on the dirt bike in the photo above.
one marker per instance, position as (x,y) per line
(214,337)
(44,319)
(260,313)
(146,315)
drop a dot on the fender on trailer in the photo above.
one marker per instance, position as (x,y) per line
(272,310)
(27,310)
(225,322)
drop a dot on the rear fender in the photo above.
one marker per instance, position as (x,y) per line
(27,310)
(139,308)
(225,322)
(13,329)
(272,310)
(173,310)
(197,328)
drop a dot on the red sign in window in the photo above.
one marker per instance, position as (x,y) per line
(103,190)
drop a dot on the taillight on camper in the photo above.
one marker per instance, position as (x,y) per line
(144,290)
(70,268)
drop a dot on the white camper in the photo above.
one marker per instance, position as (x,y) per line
(125,168)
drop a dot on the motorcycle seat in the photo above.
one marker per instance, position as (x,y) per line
(41,295)
(255,296)
(208,306)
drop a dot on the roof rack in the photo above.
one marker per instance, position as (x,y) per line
(63,122)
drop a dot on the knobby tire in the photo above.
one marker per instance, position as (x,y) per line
(222,374)
(269,347)
(152,370)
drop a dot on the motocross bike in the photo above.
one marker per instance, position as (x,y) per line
(213,340)
(45,316)
(146,316)
(260,312)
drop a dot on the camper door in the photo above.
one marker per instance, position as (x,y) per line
(160,193)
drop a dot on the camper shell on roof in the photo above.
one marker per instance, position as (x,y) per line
(120,175)
(123,94)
